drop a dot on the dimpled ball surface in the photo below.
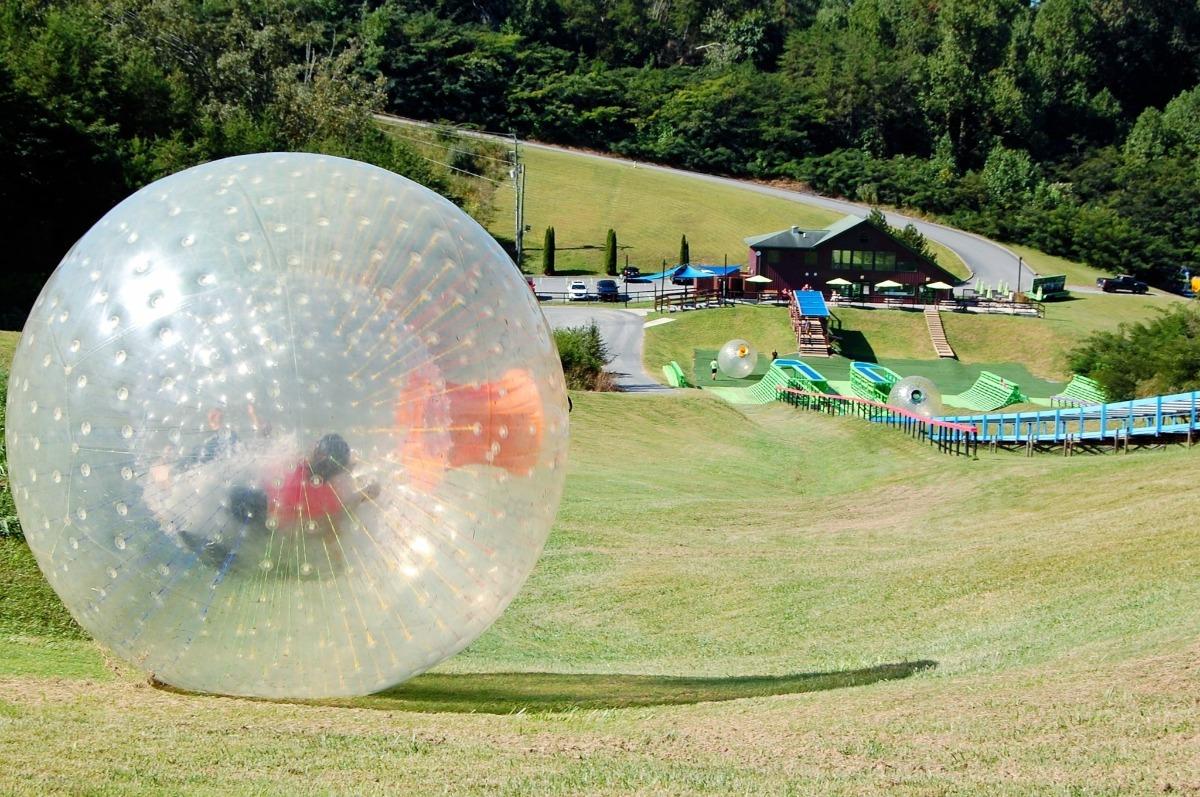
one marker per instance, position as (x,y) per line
(286,425)
(737,359)
(917,395)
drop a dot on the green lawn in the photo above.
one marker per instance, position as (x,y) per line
(1047,265)
(1037,344)
(582,197)
(759,602)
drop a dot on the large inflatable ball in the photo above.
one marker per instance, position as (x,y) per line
(286,425)
(737,359)
(918,395)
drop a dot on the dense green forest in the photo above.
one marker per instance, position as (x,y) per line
(99,98)
(1070,125)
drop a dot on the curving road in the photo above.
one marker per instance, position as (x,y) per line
(989,261)
(622,331)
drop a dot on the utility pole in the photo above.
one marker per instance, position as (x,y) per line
(518,178)
(1019,274)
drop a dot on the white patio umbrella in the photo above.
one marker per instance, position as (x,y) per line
(759,278)
(838,281)
(888,284)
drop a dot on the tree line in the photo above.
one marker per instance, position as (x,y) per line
(1070,125)
(100,98)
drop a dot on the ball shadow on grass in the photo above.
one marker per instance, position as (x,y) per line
(539,692)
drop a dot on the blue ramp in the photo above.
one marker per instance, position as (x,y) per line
(812,304)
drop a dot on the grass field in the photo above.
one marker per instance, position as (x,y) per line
(770,602)
(731,601)
(582,197)
(1038,344)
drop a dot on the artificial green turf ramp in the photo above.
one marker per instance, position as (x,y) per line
(951,376)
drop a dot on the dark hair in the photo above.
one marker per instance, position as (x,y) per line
(331,456)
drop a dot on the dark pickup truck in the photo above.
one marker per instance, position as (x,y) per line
(1124,282)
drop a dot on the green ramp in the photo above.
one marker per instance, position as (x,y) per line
(990,392)
(764,391)
(674,375)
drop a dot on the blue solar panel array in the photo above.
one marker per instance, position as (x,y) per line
(812,304)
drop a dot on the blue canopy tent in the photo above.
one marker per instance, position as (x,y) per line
(689,271)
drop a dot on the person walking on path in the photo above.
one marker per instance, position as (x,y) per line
(713,367)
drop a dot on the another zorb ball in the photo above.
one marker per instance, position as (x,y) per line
(918,395)
(737,359)
(286,425)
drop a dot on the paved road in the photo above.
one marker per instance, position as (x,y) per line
(622,333)
(989,261)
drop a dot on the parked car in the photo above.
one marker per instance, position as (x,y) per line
(631,273)
(607,291)
(577,290)
(1122,282)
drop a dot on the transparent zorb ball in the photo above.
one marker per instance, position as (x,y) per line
(737,359)
(286,425)
(918,395)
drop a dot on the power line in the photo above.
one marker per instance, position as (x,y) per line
(427,143)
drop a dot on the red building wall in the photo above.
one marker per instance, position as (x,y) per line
(873,257)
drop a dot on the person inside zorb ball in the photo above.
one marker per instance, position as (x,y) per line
(286,425)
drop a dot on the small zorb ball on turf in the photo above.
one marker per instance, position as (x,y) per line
(918,395)
(286,425)
(737,359)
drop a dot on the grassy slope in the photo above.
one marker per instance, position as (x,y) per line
(1047,265)
(582,197)
(1038,344)
(715,550)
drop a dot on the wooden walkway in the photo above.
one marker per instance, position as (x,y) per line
(937,333)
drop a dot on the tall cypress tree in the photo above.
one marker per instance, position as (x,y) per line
(610,253)
(685,255)
(548,253)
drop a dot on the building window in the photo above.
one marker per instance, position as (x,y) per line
(810,258)
(885,261)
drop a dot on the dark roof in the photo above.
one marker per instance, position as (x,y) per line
(796,238)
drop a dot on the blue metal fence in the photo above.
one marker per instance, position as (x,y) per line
(1159,416)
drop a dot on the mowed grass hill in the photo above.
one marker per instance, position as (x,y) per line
(764,601)
(582,197)
(732,601)
(1040,345)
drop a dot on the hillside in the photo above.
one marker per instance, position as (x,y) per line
(582,197)
(1039,345)
(687,587)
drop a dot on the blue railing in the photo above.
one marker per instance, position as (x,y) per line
(948,436)
(1158,416)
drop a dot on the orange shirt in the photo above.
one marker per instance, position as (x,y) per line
(498,423)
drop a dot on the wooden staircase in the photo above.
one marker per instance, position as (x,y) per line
(812,333)
(937,333)
(815,341)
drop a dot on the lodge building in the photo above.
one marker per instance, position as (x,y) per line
(852,249)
